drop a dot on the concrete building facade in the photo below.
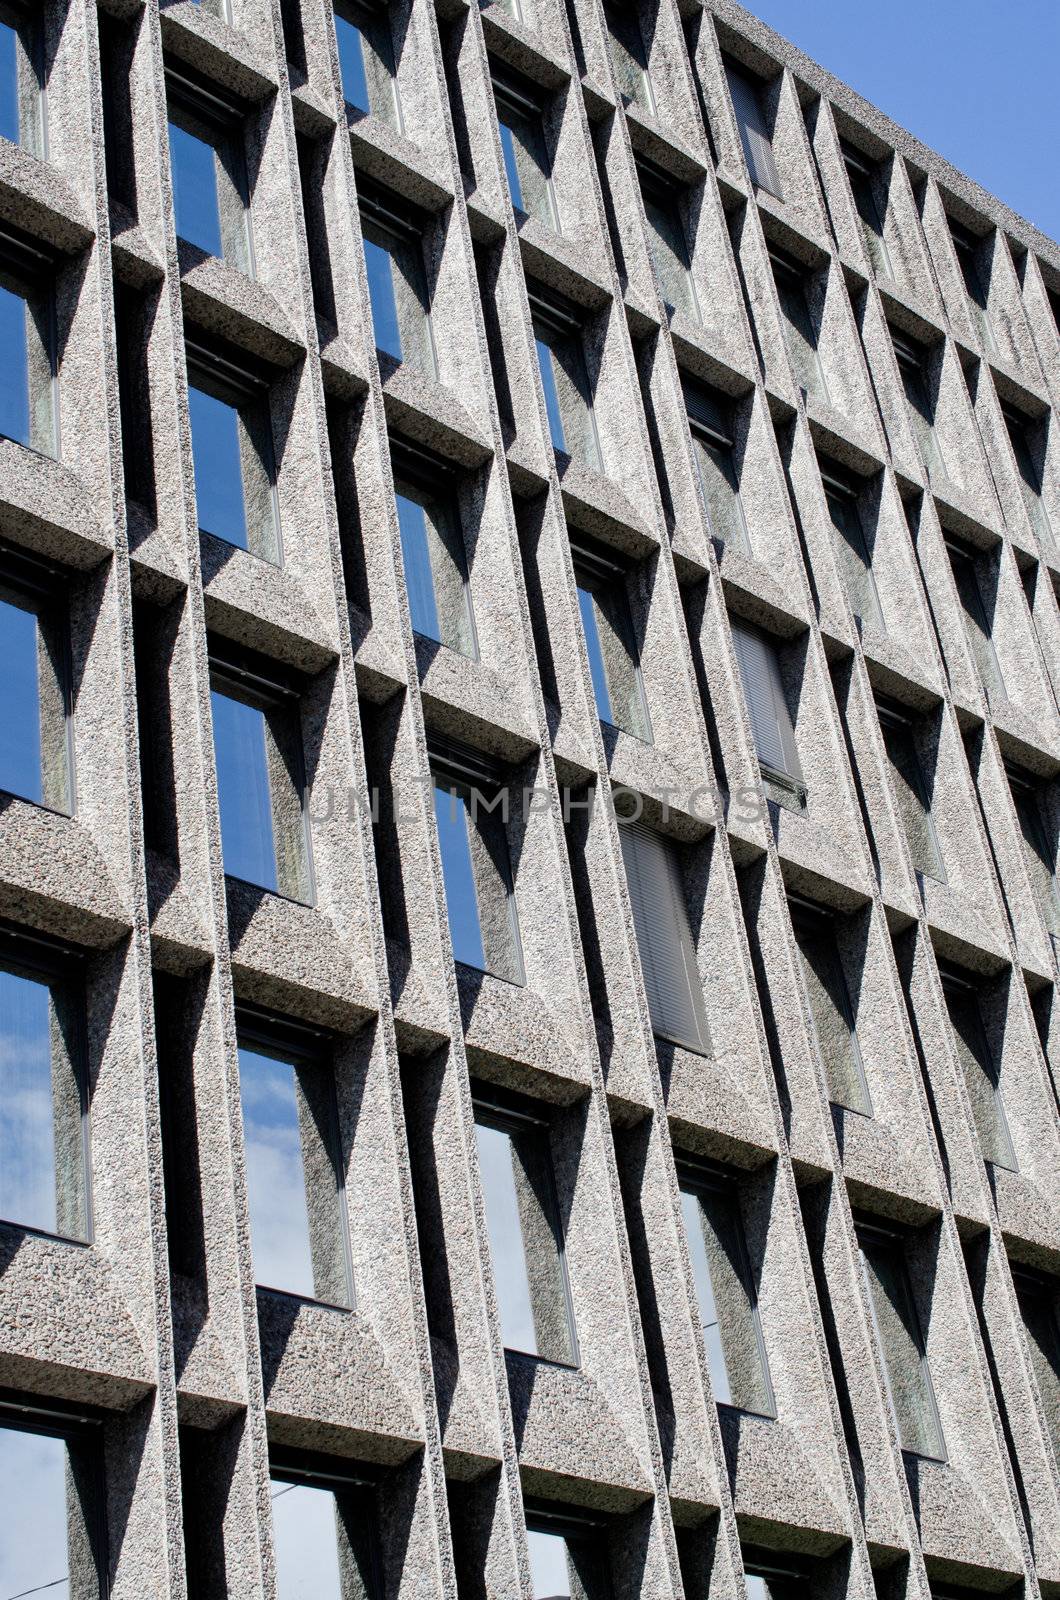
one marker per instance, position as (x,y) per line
(529,798)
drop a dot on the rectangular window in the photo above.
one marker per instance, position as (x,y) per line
(527,157)
(967,568)
(470,802)
(665,208)
(776,1574)
(36,743)
(614,660)
(800,334)
(842,494)
(51,1489)
(366,60)
(664,939)
(432,548)
(323,1523)
(21,100)
(299,1233)
(261,786)
(629,59)
(397,281)
(728,1305)
(978,1065)
(831,1010)
(207,155)
(1020,428)
(911,792)
(567,1554)
(747,102)
(867,189)
(43,1088)
(767,704)
(710,422)
(232,449)
(513,1139)
(559,338)
(912,364)
(29,412)
(1039,840)
(884,1255)
(1038,1302)
(967,247)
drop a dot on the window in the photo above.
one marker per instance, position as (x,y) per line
(397,282)
(710,422)
(1029,796)
(978,1064)
(21,101)
(43,1088)
(568,398)
(1037,1297)
(911,791)
(299,1235)
(867,189)
(470,807)
(366,60)
(884,1255)
(665,207)
(767,705)
(51,1489)
(747,102)
(527,158)
(629,59)
(966,567)
(432,548)
(261,788)
(800,335)
(322,1529)
(664,939)
(232,449)
(831,1011)
(207,154)
(911,358)
(28,394)
(968,249)
(777,1574)
(36,744)
(728,1306)
(567,1558)
(614,661)
(842,492)
(512,1136)
(1020,428)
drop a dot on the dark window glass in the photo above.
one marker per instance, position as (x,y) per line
(831,1010)
(767,703)
(568,397)
(322,1531)
(842,494)
(968,249)
(260,776)
(664,939)
(366,60)
(21,105)
(867,191)
(603,600)
(1028,797)
(50,1471)
(911,359)
(298,1229)
(901,1342)
(567,1555)
(432,549)
(757,141)
(668,242)
(1038,1301)
(911,791)
(232,452)
(629,58)
(522,1220)
(36,755)
(28,400)
(476,867)
(43,1093)
(966,575)
(211,196)
(710,424)
(979,1067)
(527,159)
(728,1305)
(397,283)
(800,334)
(1019,429)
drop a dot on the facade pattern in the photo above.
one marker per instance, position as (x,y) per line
(529,799)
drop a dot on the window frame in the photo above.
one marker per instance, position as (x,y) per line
(200,100)
(623,30)
(967,558)
(661,192)
(370,18)
(46,586)
(32,268)
(809,919)
(705,414)
(881,1235)
(406,232)
(792,277)
(438,479)
(595,564)
(513,93)
(921,399)
(895,717)
(791,783)
(1026,790)
(958,984)
(746,89)
(844,488)
(22,19)
(966,248)
(549,314)
(242,384)
(863,175)
(701,1044)
(340,1475)
(84,1428)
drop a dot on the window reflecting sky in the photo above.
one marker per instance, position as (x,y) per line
(305,1538)
(20,768)
(33,1548)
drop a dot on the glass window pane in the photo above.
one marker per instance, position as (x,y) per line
(20,703)
(305,1538)
(9,51)
(726,1304)
(461,901)
(549,1572)
(799,331)
(669,255)
(35,1554)
(21,118)
(913,798)
(596,658)
(1038,1307)
(628,57)
(854,559)
(42,1152)
(977,622)
(922,415)
(14,357)
(832,1016)
(721,494)
(552,407)
(217,458)
(385,325)
(980,1075)
(195,198)
(435,572)
(1040,854)
(297,1221)
(901,1345)
(568,400)
(526,162)
(243,791)
(613,659)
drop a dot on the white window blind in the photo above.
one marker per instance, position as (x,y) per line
(664,939)
(770,718)
(754,134)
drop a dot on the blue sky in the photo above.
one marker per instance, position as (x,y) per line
(977,80)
